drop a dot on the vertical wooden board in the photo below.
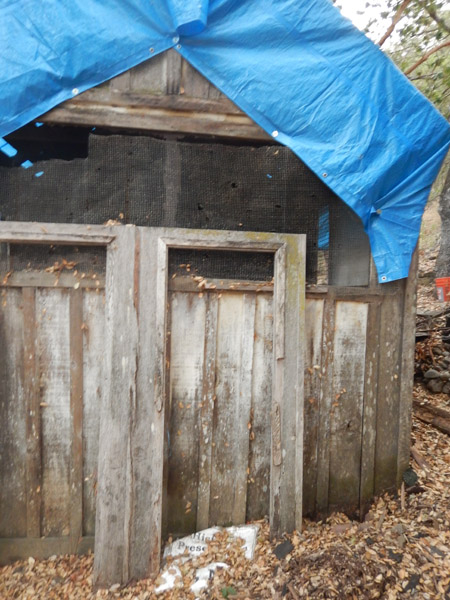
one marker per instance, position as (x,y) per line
(388,402)
(235,333)
(150,77)
(13,443)
(326,392)
(313,373)
(93,382)
(173,71)
(186,387)
(76,417)
(370,408)
(193,83)
(33,417)
(116,479)
(258,490)
(53,339)
(407,368)
(347,404)
(148,417)
(207,411)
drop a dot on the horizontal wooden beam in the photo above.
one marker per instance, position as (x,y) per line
(168,114)
(55,233)
(52,280)
(12,549)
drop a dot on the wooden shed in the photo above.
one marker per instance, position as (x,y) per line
(249,417)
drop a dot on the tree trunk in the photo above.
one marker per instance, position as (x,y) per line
(443,260)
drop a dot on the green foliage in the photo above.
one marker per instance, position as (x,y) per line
(228,591)
(423,26)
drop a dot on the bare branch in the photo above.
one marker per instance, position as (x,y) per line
(396,18)
(426,56)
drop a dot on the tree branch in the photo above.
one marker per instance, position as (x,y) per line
(433,14)
(426,56)
(396,18)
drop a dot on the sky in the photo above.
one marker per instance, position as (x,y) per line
(351,8)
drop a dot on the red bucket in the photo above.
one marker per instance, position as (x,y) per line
(443,289)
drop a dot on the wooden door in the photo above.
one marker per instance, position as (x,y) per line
(220,352)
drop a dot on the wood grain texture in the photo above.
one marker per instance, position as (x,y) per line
(53,342)
(347,405)
(14,496)
(326,394)
(313,376)
(369,425)
(33,413)
(388,403)
(407,368)
(188,314)
(115,484)
(93,382)
(258,489)
(234,359)
(206,412)
(76,415)
(149,417)
(55,233)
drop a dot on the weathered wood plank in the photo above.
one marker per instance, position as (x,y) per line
(188,313)
(115,479)
(147,118)
(12,549)
(52,312)
(192,82)
(369,425)
(23,279)
(347,405)
(33,416)
(189,284)
(93,382)
(149,416)
(313,374)
(76,414)
(206,413)
(326,392)
(55,233)
(150,76)
(293,389)
(388,404)
(174,62)
(407,368)
(258,489)
(13,417)
(235,329)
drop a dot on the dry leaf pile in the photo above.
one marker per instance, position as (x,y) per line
(401,550)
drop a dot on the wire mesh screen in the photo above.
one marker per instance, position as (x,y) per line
(150,182)
(222,264)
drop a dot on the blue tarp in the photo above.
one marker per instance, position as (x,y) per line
(298,68)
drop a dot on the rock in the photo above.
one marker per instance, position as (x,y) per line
(446,388)
(435,385)
(431,374)
(445,375)
(398,529)
(410,478)
(283,549)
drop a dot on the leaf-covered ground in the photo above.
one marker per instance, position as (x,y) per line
(402,550)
